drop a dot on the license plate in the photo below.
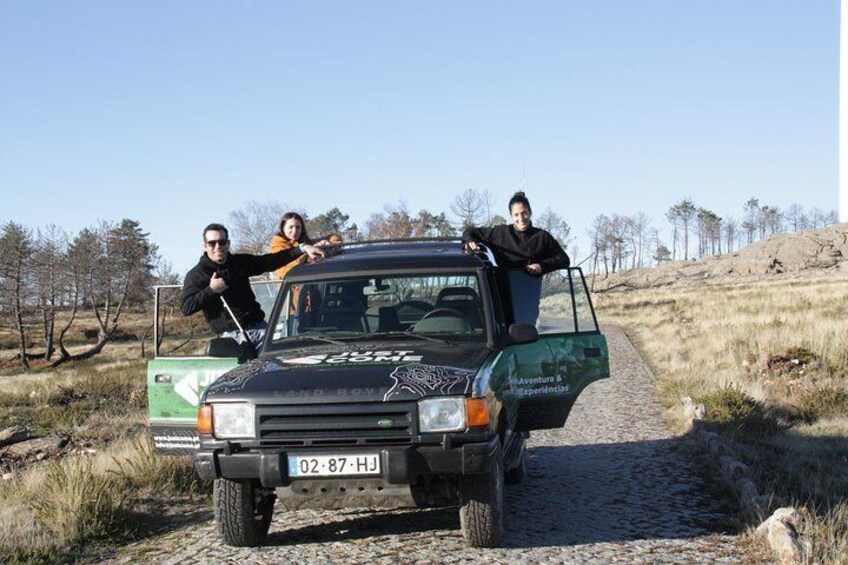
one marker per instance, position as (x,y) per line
(334,465)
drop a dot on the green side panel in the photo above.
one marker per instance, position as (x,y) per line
(174,385)
(543,379)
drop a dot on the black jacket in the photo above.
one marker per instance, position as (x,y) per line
(515,249)
(236,272)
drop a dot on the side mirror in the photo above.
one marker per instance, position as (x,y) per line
(523,333)
(228,347)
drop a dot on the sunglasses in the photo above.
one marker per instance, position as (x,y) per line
(218,242)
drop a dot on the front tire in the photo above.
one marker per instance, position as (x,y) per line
(516,475)
(481,514)
(242,511)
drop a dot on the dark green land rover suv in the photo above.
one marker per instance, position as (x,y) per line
(392,374)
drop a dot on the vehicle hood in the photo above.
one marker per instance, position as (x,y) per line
(358,373)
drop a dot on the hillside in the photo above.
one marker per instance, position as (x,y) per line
(811,254)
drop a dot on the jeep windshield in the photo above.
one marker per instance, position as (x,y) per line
(432,307)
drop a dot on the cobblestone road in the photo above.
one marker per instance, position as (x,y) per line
(612,486)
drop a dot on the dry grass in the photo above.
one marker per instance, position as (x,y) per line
(770,362)
(50,511)
(96,400)
(109,484)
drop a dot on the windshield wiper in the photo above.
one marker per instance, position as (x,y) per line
(379,335)
(313,337)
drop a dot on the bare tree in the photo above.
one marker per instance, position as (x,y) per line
(252,226)
(556,225)
(609,235)
(600,243)
(794,215)
(769,221)
(115,265)
(638,230)
(673,216)
(681,215)
(16,251)
(731,233)
(468,206)
(48,267)
(752,212)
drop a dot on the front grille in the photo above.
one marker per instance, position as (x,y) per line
(336,424)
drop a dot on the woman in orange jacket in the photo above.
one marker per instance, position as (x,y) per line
(291,233)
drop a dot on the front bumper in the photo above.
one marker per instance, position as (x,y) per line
(400,465)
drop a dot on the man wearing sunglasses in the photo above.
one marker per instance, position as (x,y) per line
(223,275)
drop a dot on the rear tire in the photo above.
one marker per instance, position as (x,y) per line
(481,514)
(242,511)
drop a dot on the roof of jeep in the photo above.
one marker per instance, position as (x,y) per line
(400,255)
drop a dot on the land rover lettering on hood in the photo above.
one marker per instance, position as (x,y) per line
(392,374)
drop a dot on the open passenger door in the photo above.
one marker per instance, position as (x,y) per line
(545,377)
(181,369)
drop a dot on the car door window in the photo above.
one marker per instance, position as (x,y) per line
(565,306)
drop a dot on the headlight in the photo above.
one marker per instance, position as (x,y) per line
(233,421)
(441,414)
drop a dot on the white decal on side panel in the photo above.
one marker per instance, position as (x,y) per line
(190,386)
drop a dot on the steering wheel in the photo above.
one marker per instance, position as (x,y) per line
(442,312)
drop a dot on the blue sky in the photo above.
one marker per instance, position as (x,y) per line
(176,113)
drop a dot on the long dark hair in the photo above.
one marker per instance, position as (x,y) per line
(519,198)
(304,238)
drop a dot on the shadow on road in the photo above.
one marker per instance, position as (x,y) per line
(571,495)
(359,524)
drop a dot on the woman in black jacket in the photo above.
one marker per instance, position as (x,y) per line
(520,245)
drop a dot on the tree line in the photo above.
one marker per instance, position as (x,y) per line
(109,268)
(104,269)
(695,232)
(252,226)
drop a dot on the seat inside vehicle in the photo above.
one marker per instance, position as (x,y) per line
(462,299)
(388,320)
(345,313)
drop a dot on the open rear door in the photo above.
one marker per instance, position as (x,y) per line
(181,371)
(546,377)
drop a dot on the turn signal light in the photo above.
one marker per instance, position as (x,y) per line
(204,420)
(477,412)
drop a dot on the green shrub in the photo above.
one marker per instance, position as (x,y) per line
(731,411)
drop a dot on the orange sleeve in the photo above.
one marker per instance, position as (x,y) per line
(278,244)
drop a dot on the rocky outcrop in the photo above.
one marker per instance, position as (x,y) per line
(822,250)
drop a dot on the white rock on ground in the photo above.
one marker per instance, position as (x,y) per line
(781,532)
